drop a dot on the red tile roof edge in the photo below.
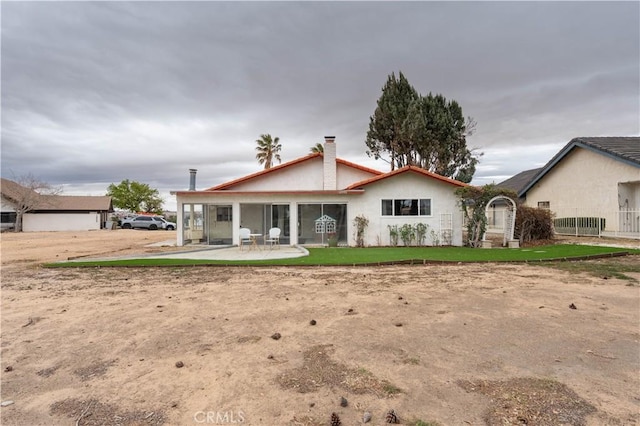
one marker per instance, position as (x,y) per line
(262,172)
(226,192)
(404,170)
(359,167)
(237,181)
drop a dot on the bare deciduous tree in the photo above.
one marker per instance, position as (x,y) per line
(28,193)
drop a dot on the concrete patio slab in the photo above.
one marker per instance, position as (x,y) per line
(234,253)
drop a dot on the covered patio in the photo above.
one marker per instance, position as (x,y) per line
(218,224)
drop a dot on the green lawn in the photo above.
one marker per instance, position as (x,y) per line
(386,255)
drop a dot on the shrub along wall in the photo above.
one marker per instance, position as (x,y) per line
(533,224)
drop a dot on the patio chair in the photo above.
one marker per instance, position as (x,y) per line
(274,238)
(245,236)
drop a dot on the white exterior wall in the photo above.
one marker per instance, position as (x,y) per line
(34,222)
(347,175)
(369,203)
(306,176)
(584,180)
(405,186)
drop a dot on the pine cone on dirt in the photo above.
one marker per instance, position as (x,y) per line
(335,420)
(391,417)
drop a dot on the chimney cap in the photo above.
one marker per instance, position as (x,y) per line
(329,138)
(193,170)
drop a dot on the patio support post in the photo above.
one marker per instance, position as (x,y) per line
(179,224)
(293,223)
(235,223)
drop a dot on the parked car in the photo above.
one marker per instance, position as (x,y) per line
(146,222)
(169,226)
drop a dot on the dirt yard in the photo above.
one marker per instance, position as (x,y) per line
(449,345)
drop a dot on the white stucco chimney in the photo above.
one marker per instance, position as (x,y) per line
(330,181)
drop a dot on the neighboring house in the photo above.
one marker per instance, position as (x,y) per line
(518,182)
(321,192)
(592,185)
(54,212)
(497,211)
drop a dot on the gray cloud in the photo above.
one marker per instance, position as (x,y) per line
(97,92)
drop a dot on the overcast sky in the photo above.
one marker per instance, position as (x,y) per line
(97,92)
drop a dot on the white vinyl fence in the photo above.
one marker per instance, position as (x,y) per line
(582,222)
(603,223)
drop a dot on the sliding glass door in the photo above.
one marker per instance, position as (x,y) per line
(318,222)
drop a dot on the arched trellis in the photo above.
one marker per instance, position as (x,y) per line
(509,218)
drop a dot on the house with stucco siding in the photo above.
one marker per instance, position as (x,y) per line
(52,212)
(591,179)
(320,194)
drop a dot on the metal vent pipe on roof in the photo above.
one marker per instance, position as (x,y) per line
(192,179)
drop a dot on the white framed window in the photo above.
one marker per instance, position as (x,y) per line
(406,207)
(544,205)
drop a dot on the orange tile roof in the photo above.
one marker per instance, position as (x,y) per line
(358,166)
(404,170)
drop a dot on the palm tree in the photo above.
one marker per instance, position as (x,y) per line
(317,148)
(268,150)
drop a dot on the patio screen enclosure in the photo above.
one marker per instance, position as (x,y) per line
(207,224)
(259,218)
(212,224)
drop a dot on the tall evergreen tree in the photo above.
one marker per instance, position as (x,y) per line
(268,150)
(425,131)
(438,130)
(385,125)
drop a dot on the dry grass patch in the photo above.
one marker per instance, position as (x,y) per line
(97,369)
(530,401)
(305,421)
(318,370)
(92,412)
(248,339)
(47,372)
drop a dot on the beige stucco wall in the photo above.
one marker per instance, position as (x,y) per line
(588,184)
(583,180)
